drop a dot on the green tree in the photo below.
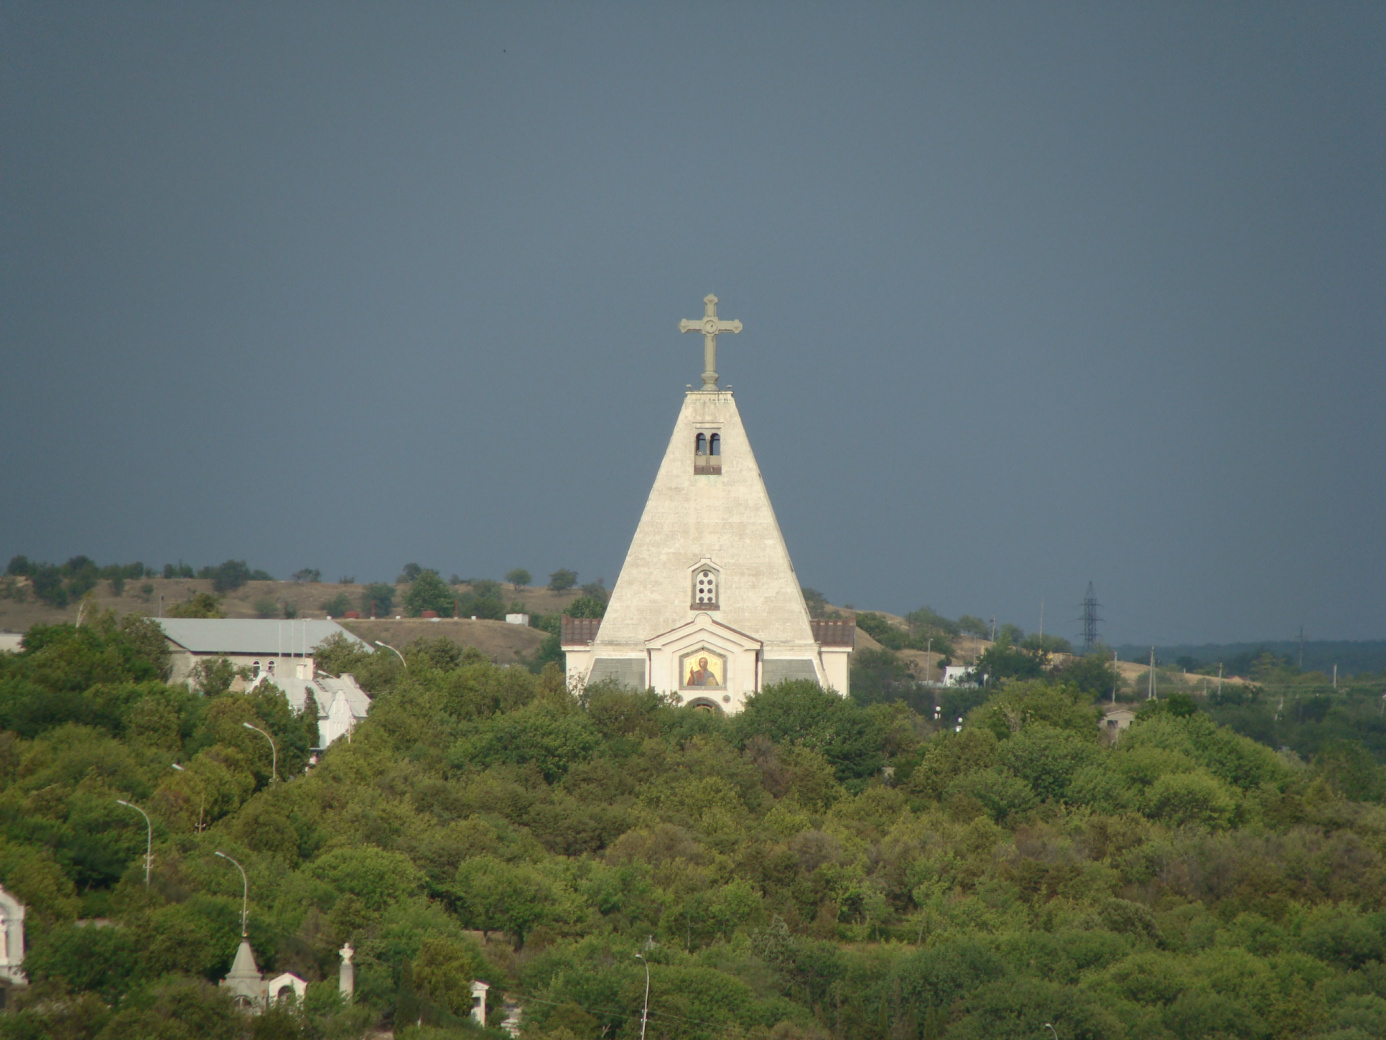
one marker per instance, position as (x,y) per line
(337,606)
(1094,673)
(973,626)
(802,713)
(1049,644)
(586,607)
(1002,661)
(377,599)
(307,574)
(511,897)
(562,580)
(519,576)
(227,576)
(198,605)
(428,592)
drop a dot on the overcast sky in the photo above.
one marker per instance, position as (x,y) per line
(1034,294)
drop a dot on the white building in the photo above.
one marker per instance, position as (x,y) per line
(338,702)
(283,649)
(707,606)
(11,941)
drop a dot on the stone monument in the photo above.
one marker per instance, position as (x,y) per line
(346,974)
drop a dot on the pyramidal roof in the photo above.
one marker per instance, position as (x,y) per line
(709,511)
(243,967)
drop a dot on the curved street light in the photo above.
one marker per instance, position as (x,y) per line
(149,837)
(1052,1030)
(201,788)
(645,1014)
(245,889)
(274,752)
(387,646)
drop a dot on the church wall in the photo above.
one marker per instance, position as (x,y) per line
(707,570)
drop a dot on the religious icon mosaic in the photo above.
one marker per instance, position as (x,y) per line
(703,669)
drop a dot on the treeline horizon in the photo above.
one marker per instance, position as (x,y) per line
(67,582)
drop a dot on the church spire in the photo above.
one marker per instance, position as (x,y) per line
(710,327)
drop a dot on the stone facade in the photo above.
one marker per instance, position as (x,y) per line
(707,607)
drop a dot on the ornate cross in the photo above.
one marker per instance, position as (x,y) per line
(710,326)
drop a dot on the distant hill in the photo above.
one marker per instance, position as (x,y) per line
(1353,657)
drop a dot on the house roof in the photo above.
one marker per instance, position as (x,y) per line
(323,690)
(251,635)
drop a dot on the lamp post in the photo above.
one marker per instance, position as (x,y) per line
(274,752)
(645,1013)
(149,837)
(1052,1030)
(202,789)
(387,646)
(245,889)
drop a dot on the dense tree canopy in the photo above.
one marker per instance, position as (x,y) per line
(814,867)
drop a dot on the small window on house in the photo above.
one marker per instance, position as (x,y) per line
(270,668)
(714,445)
(700,444)
(704,587)
(255,670)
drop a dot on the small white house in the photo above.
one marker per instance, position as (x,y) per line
(956,675)
(338,702)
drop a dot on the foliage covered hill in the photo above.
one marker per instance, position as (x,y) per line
(811,868)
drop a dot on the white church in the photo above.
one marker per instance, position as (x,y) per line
(707,607)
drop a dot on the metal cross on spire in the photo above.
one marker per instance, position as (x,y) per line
(710,327)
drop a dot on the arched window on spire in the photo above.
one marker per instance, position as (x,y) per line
(707,454)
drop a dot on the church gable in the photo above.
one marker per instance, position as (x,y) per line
(719,528)
(707,607)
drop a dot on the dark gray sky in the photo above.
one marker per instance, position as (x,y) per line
(1033,294)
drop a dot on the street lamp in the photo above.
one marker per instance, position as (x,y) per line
(203,789)
(149,837)
(645,1014)
(387,646)
(245,888)
(1052,1030)
(274,753)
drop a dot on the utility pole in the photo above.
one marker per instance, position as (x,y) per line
(1219,678)
(1150,680)
(993,628)
(1301,648)
(1116,677)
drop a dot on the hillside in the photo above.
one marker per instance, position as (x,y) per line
(154,596)
(812,869)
